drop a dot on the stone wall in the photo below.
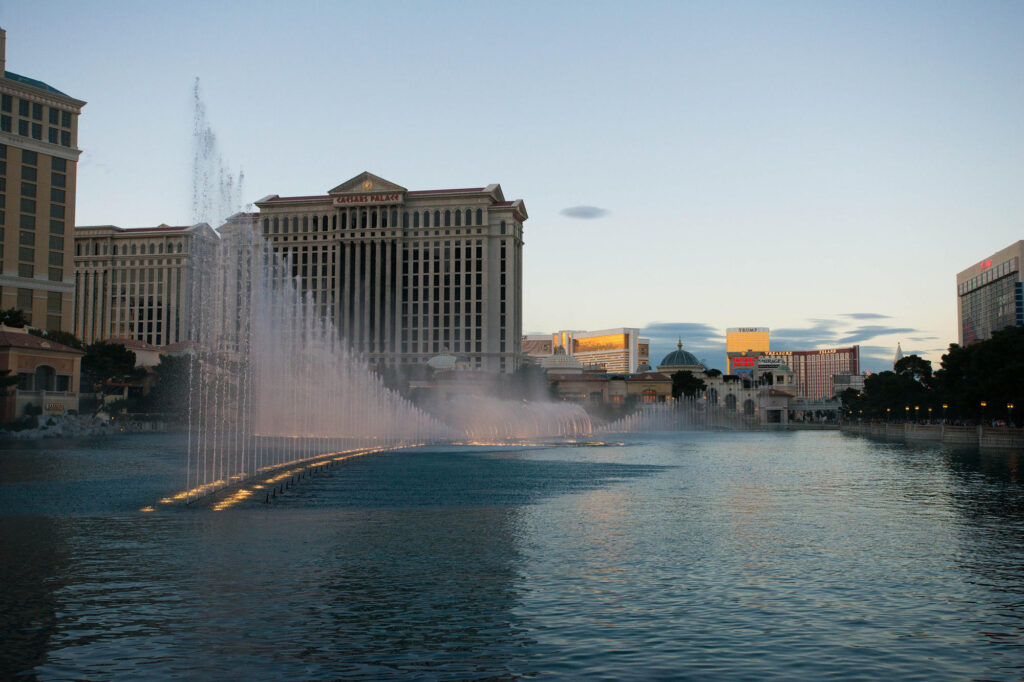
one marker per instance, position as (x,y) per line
(985,437)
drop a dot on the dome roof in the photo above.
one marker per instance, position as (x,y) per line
(680,358)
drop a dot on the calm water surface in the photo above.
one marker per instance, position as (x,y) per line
(739,556)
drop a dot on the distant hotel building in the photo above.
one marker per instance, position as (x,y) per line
(617,351)
(406,275)
(741,340)
(990,295)
(813,370)
(135,284)
(38,164)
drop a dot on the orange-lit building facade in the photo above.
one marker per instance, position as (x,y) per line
(618,351)
(740,341)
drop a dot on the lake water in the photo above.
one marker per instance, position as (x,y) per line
(690,555)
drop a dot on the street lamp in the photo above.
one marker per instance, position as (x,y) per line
(944,406)
(983,406)
(888,414)
(1009,413)
(917,413)
(929,415)
(907,408)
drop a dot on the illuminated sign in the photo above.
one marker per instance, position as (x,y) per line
(368,199)
(54,407)
(986,264)
(743,362)
(746,330)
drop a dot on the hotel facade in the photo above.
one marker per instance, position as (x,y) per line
(814,370)
(740,341)
(617,351)
(990,295)
(408,274)
(38,169)
(135,283)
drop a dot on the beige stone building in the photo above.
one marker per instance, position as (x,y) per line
(408,274)
(38,166)
(48,374)
(135,283)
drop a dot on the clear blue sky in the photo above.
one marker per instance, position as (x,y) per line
(822,169)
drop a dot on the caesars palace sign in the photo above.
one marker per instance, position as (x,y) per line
(366,199)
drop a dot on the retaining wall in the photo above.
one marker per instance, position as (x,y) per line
(985,437)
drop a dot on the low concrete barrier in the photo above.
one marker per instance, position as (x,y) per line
(984,437)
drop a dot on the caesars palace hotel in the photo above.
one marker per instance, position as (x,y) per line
(407,275)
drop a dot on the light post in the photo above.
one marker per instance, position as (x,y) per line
(888,414)
(907,416)
(983,406)
(929,415)
(1009,414)
(944,406)
(917,413)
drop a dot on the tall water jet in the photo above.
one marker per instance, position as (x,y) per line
(271,381)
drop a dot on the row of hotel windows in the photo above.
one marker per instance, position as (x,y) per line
(58,132)
(368,219)
(989,275)
(53,306)
(154,249)
(27,216)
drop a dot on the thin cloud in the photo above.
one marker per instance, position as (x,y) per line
(585,212)
(867,316)
(871,331)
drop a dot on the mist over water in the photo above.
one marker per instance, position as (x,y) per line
(216,191)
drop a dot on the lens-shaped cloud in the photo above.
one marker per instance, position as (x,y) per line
(585,212)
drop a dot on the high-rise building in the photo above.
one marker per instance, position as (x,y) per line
(744,340)
(408,274)
(990,295)
(620,350)
(135,284)
(814,370)
(38,163)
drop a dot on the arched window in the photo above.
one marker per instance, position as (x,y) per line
(503,227)
(151,249)
(416,219)
(179,247)
(437,218)
(469,217)
(712,396)
(730,402)
(78,249)
(276,226)
(479,216)
(133,249)
(458,218)
(113,250)
(295,224)
(46,378)
(159,249)
(344,220)
(394,218)
(748,407)
(305,223)
(649,396)
(405,219)
(383,217)
(447,218)
(426,219)
(373,218)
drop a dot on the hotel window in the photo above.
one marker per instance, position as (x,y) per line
(37,111)
(23,127)
(52,135)
(29,158)
(479,216)
(65,138)
(23,107)
(5,123)
(437,218)
(6,103)
(65,119)
(447,218)
(458,218)
(37,131)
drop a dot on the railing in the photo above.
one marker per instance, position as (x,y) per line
(977,436)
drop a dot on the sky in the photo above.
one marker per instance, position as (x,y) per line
(821,169)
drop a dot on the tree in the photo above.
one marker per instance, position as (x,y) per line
(712,373)
(915,367)
(104,362)
(13,317)
(685,383)
(170,393)
(7,381)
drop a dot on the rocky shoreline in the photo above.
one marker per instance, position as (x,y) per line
(79,426)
